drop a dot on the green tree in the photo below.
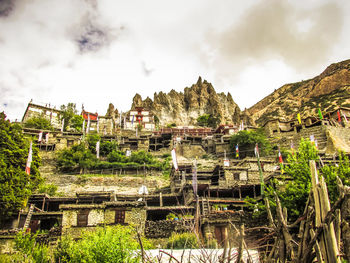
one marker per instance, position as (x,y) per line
(296,191)
(247,140)
(92,139)
(107,147)
(77,122)
(76,157)
(15,184)
(38,122)
(208,120)
(71,117)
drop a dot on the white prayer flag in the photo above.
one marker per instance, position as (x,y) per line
(194,178)
(40,136)
(47,138)
(173,156)
(30,158)
(98,149)
(62,128)
(88,124)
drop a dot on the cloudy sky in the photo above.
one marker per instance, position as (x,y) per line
(94,52)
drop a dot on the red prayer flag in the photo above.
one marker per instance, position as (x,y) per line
(339,118)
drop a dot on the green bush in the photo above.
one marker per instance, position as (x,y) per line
(107,147)
(77,157)
(27,245)
(38,122)
(109,244)
(183,240)
(117,156)
(208,120)
(49,189)
(247,140)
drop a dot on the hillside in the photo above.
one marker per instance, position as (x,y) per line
(326,91)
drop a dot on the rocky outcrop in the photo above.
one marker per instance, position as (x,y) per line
(111,111)
(326,91)
(183,108)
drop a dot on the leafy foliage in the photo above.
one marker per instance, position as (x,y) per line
(92,139)
(108,244)
(330,174)
(77,157)
(107,147)
(50,189)
(183,240)
(38,122)
(294,190)
(247,140)
(71,117)
(208,120)
(15,184)
(27,245)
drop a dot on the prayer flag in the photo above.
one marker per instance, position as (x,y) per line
(47,138)
(62,128)
(88,124)
(237,151)
(339,118)
(173,156)
(98,149)
(299,118)
(346,119)
(280,160)
(320,114)
(132,121)
(194,178)
(40,136)
(256,151)
(30,159)
(98,125)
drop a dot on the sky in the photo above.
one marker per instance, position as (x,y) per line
(96,52)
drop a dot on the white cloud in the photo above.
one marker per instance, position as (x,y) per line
(95,52)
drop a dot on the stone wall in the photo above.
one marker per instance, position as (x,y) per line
(135,215)
(48,113)
(164,228)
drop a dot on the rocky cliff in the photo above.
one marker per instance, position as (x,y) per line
(326,91)
(183,108)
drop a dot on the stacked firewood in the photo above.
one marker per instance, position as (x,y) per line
(324,232)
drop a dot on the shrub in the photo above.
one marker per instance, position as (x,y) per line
(108,244)
(49,189)
(117,156)
(247,141)
(76,157)
(183,240)
(28,246)
(38,122)
(107,147)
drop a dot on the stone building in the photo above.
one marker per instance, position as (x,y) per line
(48,112)
(139,117)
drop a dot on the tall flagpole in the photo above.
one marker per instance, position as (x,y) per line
(260,170)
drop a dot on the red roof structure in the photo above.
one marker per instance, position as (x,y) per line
(93,116)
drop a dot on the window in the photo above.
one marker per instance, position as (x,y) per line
(236,176)
(82,218)
(119,216)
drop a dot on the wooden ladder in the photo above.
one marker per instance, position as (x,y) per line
(29,216)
